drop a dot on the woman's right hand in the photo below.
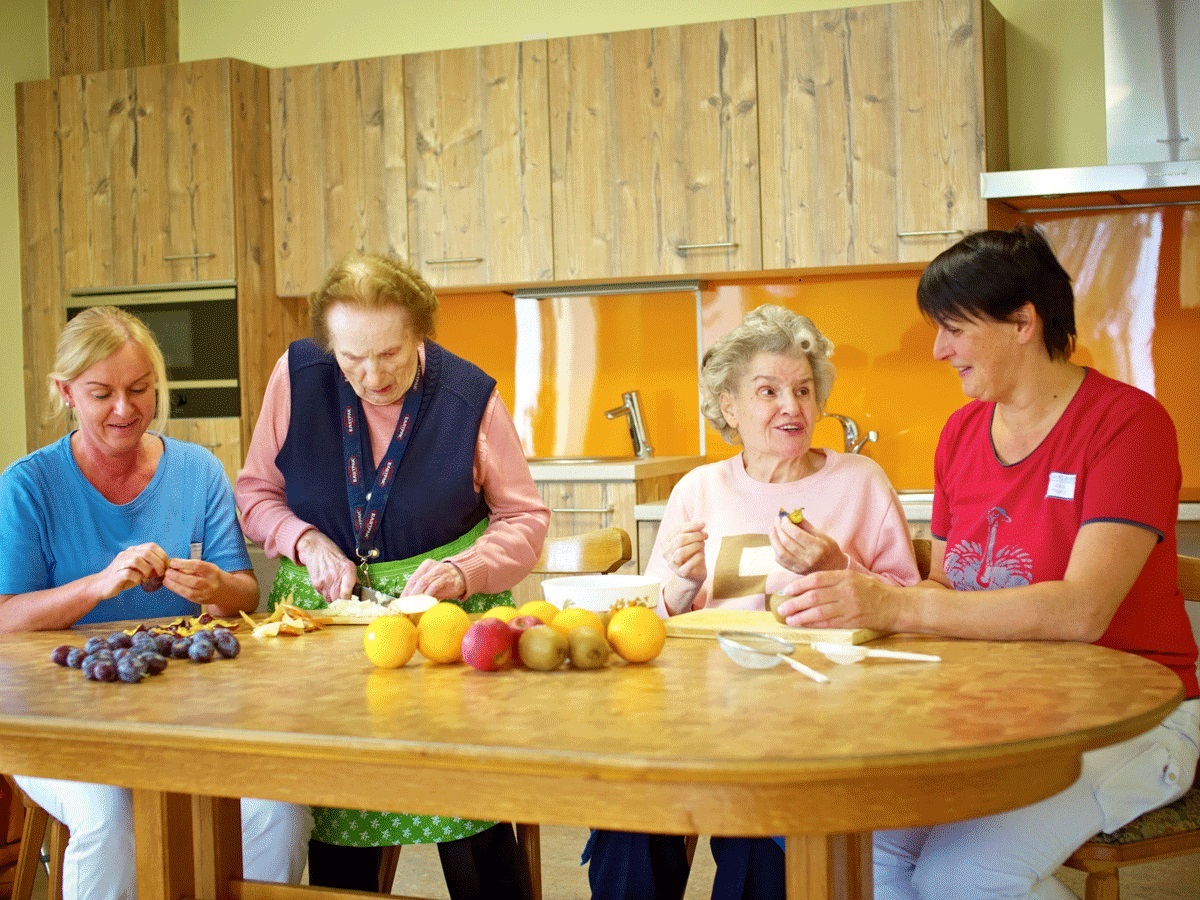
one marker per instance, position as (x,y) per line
(684,553)
(145,564)
(331,574)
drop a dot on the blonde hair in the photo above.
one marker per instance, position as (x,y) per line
(767,329)
(370,281)
(96,334)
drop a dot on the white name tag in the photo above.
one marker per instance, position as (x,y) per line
(1061,486)
(758,561)
(197,550)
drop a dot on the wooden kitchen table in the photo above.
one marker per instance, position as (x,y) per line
(689,743)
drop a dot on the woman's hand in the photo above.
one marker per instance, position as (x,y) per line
(194,579)
(803,549)
(839,599)
(144,564)
(330,573)
(684,553)
(437,578)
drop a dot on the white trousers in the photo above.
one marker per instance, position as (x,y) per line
(99,861)
(1015,854)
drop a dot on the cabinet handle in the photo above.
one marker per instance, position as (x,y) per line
(607,510)
(682,249)
(905,234)
(189,256)
(451,260)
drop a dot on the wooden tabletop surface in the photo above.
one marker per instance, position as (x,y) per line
(689,742)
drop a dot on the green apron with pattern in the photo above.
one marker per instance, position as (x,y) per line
(362,828)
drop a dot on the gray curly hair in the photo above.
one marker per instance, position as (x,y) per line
(767,329)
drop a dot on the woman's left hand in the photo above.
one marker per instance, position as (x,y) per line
(194,579)
(437,578)
(803,549)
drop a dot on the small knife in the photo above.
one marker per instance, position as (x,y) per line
(371,595)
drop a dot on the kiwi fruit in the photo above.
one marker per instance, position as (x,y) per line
(542,648)
(589,648)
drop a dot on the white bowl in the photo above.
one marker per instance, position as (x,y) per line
(600,593)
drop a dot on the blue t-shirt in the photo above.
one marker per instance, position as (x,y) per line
(55,527)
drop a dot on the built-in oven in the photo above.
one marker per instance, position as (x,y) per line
(196,326)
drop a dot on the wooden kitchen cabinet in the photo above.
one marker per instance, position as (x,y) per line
(876,123)
(478,164)
(222,436)
(151,175)
(337,137)
(147,185)
(654,149)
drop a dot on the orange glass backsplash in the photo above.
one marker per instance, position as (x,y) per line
(560,363)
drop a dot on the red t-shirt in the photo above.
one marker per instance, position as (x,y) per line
(1111,457)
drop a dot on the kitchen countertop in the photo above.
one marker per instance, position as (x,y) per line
(610,469)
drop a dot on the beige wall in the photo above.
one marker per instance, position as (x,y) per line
(24,56)
(1055,72)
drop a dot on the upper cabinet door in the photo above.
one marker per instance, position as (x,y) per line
(873,132)
(654,143)
(337,135)
(147,183)
(479,164)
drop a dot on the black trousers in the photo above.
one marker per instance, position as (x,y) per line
(484,866)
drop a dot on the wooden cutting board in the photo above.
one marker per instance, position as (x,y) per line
(705,623)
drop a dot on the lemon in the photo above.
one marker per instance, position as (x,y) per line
(572,617)
(503,613)
(540,609)
(389,641)
(440,632)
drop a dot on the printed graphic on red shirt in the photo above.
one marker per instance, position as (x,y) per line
(971,567)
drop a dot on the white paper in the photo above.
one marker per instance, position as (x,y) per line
(758,561)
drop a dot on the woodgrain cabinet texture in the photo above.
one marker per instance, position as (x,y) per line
(579,506)
(876,126)
(221,436)
(154,175)
(836,138)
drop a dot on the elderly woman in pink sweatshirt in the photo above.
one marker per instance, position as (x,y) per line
(763,386)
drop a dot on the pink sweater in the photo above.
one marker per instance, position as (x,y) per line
(517,525)
(850,499)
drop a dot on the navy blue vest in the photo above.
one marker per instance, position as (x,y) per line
(433,500)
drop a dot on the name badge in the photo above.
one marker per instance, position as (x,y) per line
(1061,486)
(197,550)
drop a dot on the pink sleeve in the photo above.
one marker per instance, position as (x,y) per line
(259,490)
(510,546)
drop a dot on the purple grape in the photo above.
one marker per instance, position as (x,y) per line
(143,639)
(163,642)
(75,658)
(153,583)
(180,648)
(202,651)
(129,671)
(120,653)
(227,644)
(119,640)
(102,670)
(93,644)
(59,655)
(155,663)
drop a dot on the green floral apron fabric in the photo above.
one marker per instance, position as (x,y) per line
(363,828)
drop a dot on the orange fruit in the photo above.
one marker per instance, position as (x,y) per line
(440,632)
(503,613)
(636,633)
(389,641)
(573,616)
(540,609)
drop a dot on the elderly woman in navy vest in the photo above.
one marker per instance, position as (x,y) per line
(380,455)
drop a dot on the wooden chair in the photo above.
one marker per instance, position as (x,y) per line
(596,552)
(1173,830)
(30,854)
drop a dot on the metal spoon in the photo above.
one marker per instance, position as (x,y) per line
(755,650)
(845,654)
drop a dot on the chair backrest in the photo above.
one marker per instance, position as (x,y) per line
(922,548)
(594,552)
(1189,577)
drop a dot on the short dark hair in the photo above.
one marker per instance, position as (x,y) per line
(992,274)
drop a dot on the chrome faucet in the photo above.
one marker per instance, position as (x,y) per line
(632,410)
(853,443)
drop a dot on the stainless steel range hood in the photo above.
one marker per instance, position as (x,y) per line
(1152,69)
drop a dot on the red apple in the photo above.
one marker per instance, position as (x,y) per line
(517,627)
(488,645)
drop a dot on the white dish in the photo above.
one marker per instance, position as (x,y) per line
(601,593)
